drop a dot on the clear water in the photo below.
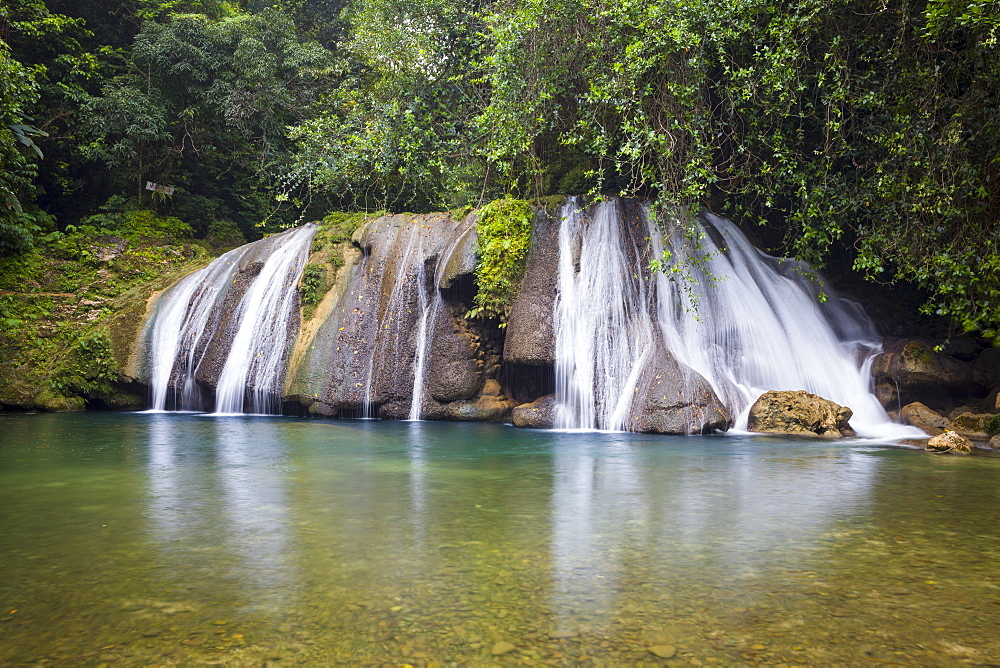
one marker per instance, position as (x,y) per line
(170,539)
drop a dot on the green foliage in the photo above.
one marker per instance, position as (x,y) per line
(395,133)
(314,284)
(90,367)
(202,105)
(137,225)
(503,240)
(846,124)
(339,226)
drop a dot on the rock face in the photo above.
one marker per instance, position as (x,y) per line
(670,399)
(949,442)
(912,371)
(530,338)
(799,413)
(539,414)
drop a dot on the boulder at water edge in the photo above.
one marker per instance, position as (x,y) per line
(673,399)
(539,414)
(922,417)
(914,371)
(799,413)
(949,442)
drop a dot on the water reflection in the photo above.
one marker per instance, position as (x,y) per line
(621,509)
(217,503)
(331,543)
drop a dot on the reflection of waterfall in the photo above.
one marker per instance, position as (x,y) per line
(745,321)
(235,316)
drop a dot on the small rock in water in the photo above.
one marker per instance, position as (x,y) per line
(663,651)
(950,442)
(562,633)
(502,647)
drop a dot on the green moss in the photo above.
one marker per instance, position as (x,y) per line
(993,425)
(338,226)
(504,237)
(314,283)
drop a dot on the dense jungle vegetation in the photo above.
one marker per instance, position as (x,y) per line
(866,127)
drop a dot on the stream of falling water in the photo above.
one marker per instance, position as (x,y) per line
(255,365)
(191,314)
(744,320)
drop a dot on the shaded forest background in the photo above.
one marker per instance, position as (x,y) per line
(844,128)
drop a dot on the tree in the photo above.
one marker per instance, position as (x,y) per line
(397,131)
(202,104)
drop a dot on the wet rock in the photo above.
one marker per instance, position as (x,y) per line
(949,442)
(460,255)
(799,413)
(922,417)
(483,409)
(491,388)
(539,414)
(913,371)
(452,372)
(672,399)
(530,338)
(994,443)
(976,426)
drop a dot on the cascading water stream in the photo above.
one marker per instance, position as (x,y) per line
(603,331)
(749,322)
(190,316)
(255,364)
(429,309)
(428,312)
(745,321)
(183,319)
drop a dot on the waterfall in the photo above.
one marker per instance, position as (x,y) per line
(745,321)
(749,322)
(428,313)
(255,364)
(604,334)
(201,316)
(183,319)
(429,310)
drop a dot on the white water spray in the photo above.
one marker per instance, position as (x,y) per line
(745,321)
(604,334)
(189,316)
(255,363)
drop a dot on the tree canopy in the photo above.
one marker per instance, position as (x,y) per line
(845,127)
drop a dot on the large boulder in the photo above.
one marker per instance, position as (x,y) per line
(976,426)
(799,413)
(913,371)
(922,417)
(530,338)
(673,399)
(949,442)
(483,409)
(453,368)
(539,414)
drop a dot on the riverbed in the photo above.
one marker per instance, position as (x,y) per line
(181,539)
